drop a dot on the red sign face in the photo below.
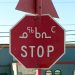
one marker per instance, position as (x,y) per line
(37,41)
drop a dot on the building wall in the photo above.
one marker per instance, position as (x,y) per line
(5,61)
(66,69)
(5,57)
(66,65)
(5,70)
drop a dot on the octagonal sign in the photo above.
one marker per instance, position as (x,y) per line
(37,41)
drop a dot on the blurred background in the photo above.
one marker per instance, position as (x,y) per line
(9,17)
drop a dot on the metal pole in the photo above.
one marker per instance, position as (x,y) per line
(38,72)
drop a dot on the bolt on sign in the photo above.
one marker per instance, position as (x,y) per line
(37,41)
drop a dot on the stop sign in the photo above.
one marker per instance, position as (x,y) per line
(37,41)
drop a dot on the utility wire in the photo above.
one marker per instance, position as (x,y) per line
(68,24)
(70,34)
(4,32)
(6,25)
(70,30)
(70,41)
(66,31)
(61,24)
(4,36)
(52,1)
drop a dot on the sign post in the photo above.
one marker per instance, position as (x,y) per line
(37,41)
(38,72)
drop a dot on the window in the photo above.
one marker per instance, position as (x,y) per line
(14,67)
(3,73)
(24,71)
(57,72)
(74,72)
(48,72)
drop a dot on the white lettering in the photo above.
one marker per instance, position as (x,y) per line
(50,49)
(24,35)
(41,35)
(32,50)
(24,54)
(40,51)
(53,29)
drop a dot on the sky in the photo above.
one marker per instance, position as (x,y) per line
(9,16)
